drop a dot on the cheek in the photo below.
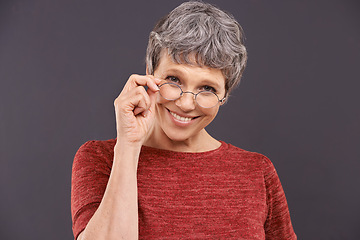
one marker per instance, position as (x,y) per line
(161,100)
(211,112)
(160,107)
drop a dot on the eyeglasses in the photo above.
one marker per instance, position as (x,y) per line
(205,99)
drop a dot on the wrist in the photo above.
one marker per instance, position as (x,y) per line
(123,144)
(126,155)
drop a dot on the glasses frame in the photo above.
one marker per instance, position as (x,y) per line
(195,94)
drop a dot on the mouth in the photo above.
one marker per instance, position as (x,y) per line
(181,118)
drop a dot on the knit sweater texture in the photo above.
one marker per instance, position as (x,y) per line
(226,193)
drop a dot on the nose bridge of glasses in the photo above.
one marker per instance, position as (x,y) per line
(184,99)
(186,103)
(194,94)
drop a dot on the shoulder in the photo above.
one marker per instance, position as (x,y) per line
(95,153)
(248,157)
(97,146)
(257,163)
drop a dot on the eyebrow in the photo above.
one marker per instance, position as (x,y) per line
(180,74)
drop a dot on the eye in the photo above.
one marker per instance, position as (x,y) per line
(173,79)
(208,88)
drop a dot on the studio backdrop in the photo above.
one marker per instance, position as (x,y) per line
(62,64)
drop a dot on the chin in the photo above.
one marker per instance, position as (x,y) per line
(178,137)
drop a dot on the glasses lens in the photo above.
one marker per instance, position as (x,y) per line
(207,99)
(170,91)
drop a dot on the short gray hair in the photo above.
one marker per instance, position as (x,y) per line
(196,28)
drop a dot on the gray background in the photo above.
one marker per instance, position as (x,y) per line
(62,63)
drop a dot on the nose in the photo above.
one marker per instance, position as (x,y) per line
(186,102)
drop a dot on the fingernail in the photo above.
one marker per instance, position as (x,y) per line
(145,113)
(156,87)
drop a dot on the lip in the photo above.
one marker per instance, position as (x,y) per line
(181,123)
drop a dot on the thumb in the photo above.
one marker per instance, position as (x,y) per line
(153,100)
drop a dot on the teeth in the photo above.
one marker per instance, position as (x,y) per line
(183,119)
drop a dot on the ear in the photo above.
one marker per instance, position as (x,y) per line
(224,100)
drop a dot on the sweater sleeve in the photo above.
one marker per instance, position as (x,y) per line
(90,174)
(278,223)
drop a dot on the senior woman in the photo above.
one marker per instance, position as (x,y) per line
(165,176)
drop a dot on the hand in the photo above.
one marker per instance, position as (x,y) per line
(135,109)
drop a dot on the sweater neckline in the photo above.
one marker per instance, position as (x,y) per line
(159,151)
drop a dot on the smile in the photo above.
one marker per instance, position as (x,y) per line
(182,119)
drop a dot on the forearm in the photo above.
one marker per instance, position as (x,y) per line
(117,215)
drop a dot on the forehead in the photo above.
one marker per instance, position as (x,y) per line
(193,70)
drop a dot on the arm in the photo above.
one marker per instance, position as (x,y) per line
(117,215)
(278,223)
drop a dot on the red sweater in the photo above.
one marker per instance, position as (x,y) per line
(227,193)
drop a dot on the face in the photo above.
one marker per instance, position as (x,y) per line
(183,119)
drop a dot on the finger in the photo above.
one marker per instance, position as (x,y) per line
(139,110)
(156,80)
(151,110)
(143,102)
(137,100)
(152,97)
(138,80)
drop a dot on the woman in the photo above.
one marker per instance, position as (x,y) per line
(165,176)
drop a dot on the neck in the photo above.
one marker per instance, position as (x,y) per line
(202,142)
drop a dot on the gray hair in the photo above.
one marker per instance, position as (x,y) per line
(199,29)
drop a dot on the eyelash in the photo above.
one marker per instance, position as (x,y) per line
(177,80)
(211,89)
(172,79)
